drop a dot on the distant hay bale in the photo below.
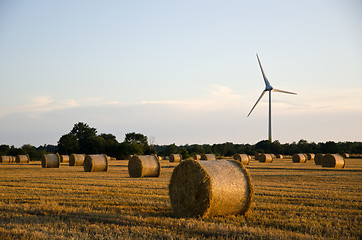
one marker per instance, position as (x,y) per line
(22,159)
(299,158)
(210,188)
(96,163)
(279,156)
(13,159)
(76,159)
(197,157)
(5,159)
(345,155)
(243,158)
(64,158)
(144,166)
(208,157)
(129,157)
(333,160)
(310,156)
(318,159)
(273,155)
(265,158)
(50,161)
(175,158)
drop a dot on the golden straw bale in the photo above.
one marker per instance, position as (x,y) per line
(175,158)
(310,156)
(208,157)
(5,159)
(318,158)
(345,155)
(144,166)
(333,160)
(210,188)
(76,159)
(197,157)
(64,158)
(50,161)
(265,158)
(13,159)
(243,158)
(299,158)
(279,156)
(22,159)
(96,163)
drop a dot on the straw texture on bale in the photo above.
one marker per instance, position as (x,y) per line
(197,157)
(299,158)
(265,158)
(210,188)
(175,158)
(333,160)
(22,158)
(5,159)
(50,161)
(243,158)
(144,166)
(318,158)
(76,159)
(64,158)
(310,156)
(208,157)
(96,163)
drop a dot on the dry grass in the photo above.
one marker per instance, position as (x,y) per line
(291,201)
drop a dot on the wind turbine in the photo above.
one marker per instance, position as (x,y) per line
(268,88)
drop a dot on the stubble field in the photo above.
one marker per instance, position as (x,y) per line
(291,201)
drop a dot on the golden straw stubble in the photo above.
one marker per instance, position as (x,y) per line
(210,188)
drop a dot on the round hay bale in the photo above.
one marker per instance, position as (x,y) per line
(333,160)
(345,155)
(76,159)
(96,163)
(64,158)
(279,156)
(5,159)
(243,158)
(50,161)
(175,158)
(318,158)
(197,157)
(310,156)
(273,155)
(210,188)
(299,158)
(265,158)
(144,166)
(22,159)
(208,157)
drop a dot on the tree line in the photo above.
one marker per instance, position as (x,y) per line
(84,139)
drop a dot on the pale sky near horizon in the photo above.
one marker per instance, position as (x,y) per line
(180,72)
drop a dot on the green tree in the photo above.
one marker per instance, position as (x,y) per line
(4,149)
(85,136)
(185,154)
(136,138)
(68,144)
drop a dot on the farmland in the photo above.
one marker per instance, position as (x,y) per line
(291,201)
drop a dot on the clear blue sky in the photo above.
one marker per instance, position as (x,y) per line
(180,71)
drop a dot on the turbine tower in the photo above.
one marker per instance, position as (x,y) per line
(268,88)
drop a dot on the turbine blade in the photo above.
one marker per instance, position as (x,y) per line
(262,71)
(282,91)
(262,94)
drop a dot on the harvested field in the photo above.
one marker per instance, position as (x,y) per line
(291,201)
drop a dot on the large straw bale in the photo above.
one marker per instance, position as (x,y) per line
(197,157)
(210,188)
(265,158)
(5,159)
(299,158)
(50,161)
(208,157)
(243,158)
(76,159)
(144,166)
(22,159)
(175,158)
(310,156)
(64,158)
(96,163)
(318,158)
(333,160)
